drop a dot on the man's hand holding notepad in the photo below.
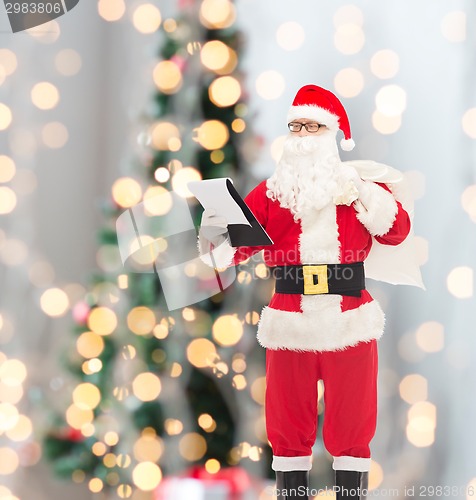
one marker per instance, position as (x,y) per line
(228,208)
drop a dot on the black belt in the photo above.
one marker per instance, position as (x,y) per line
(313,279)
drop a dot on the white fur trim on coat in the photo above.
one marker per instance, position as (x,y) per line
(325,329)
(223,254)
(376,208)
(286,464)
(321,326)
(352,463)
(316,113)
(319,238)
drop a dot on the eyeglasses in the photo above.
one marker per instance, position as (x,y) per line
(310,127)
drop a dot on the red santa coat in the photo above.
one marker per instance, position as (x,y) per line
(333,234)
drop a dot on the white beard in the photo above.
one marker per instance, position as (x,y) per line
(306,175)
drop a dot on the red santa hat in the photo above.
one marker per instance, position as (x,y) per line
(319,104)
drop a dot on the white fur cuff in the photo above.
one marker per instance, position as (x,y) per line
(285,464)
(223,254)
(376,208)
(352,463)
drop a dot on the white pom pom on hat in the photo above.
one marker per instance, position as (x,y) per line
(347,144)
(322,105)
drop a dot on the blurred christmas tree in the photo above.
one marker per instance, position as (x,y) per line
(159,391)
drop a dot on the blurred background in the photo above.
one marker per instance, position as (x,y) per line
(104,393)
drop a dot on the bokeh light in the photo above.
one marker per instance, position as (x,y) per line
(290,35)
(86,396)
(22,430)
(471,489)
(217,14)
(7,168)
(212,466)
(270,85)
(146,386)
(227,330)
(68,62)
(162,174)
(54,302)
(453,26)
(421,424)
(146,18)
(375,475)
(111,10)
(349,82)
(8,200)
(239,382)
(468,201)
(168,77)
(54,135)
(165,136)
(469,123)
(238,125)
(157,201)
(170,25)
(12,372)
(348,14)
(173,427)
(258,390)
(192,446)
(102,320)
(148,448)
(218,57)
(386,124)
(430,336)
(45,95)
(276,148)
(212,134)
(8,416)
(14,252)
(9,461)
(414,388)
(385,64)
(391,100)
(349,38)
(95,485)
(5,116)
(126,192)
(48,32)
(460,282)
(224,91)
(146,476)
(78,417)
(141,320)
(8,61)
(201,352)
(41,273)
(182,177)
(206,422)
(90,345)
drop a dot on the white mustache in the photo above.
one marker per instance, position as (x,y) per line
(301,145)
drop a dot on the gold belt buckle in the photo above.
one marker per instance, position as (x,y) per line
(311,288)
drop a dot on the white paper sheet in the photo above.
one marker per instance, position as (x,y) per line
(213,193)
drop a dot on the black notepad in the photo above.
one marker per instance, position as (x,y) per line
(241,234)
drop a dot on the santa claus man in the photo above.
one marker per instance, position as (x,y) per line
(321,322)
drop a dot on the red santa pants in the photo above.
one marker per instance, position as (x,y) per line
(350,398)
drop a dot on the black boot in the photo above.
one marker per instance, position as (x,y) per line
(351,485)
(292,485)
